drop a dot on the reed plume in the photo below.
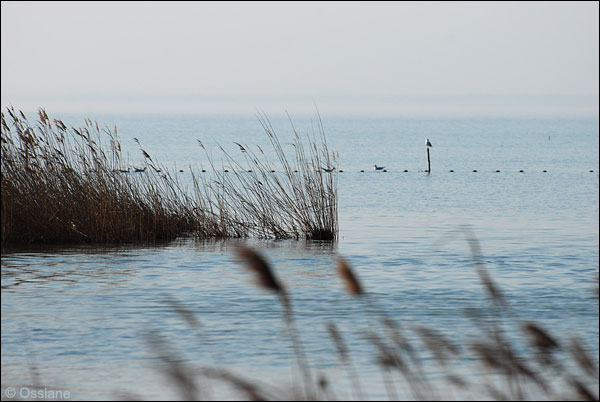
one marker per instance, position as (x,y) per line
(503,368)
(350,280)
(65,184)
(263,273)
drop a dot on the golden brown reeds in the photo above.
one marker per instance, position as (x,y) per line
(296,201)
(64,184)
(521,374)
(503,368)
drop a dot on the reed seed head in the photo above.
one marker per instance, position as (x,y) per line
(351,281)
(261,268)
(540,338)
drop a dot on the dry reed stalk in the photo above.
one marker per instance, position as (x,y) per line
(266,279)
(389,358)
(514,375)
(65,184)
(484,276)
(252,391)
(404,347)
(296,202)
(582,392)
(187,315)
(174,368)
(344,354)
(582,358)
(439,345)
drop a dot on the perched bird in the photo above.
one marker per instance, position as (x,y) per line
(428,143)
(379,167)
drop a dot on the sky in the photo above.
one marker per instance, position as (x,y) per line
(346,58)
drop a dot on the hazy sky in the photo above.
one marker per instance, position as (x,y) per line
(368,58)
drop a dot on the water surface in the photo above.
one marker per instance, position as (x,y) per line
(78,318)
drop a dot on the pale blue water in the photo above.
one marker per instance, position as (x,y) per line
(79,314)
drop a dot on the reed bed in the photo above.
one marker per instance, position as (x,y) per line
(538,365)
(70,185)
(296,199)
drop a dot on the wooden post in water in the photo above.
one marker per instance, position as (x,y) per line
(428,145)
(428,162)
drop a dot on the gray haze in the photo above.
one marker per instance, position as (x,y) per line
(347,58)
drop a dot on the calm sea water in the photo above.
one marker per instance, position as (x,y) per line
(78,318)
